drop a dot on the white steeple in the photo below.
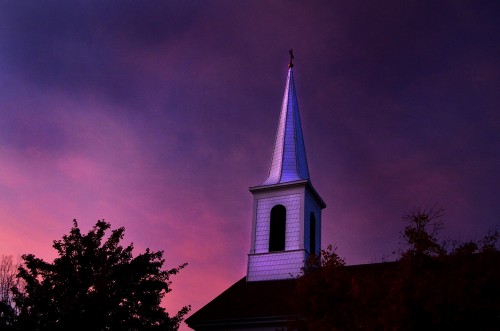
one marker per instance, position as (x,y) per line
(286,225)
(289,162)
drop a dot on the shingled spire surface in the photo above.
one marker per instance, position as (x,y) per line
(289,162)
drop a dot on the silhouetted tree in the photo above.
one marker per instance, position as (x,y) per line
(421,232)
(428,288)
(8,271)
(95,284)
(8,280)
(326,293)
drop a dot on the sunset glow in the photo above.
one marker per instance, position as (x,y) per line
(158,116)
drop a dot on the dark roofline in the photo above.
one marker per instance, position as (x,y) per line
(248,303)
(224,309)
(256,321)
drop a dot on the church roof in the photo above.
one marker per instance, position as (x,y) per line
(253,304)
(248,303)
(289,162)
(259,303)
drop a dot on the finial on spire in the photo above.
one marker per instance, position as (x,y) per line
(290,65)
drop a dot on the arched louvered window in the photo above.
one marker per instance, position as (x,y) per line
(277,229)
(312,234)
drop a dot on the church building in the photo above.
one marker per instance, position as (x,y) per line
(286,230)
(456,291)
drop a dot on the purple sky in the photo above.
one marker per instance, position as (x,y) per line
(158,115)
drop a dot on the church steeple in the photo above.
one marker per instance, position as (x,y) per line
(289,162)
(286,227)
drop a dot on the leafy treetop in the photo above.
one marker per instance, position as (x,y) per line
(95,284)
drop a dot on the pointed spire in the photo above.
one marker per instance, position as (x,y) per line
(289,162)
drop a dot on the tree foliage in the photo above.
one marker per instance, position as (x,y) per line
(95,284)
(8,280)
(432,286)
(326,271)
(8,271)
(421,232)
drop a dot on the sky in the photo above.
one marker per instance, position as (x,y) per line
(159,115)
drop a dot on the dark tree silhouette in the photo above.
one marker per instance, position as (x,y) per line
(325,293)
(435,288)
(8,280)
(421,232)
(429,287)
(8,271)
(95,284)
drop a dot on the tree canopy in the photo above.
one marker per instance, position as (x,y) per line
(95,283)
(431,286)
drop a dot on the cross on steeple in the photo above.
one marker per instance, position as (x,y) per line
(290,65)
(289,162)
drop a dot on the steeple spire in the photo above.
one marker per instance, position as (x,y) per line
(286,218)
(289,162)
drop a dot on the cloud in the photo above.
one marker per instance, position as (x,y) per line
(158,117)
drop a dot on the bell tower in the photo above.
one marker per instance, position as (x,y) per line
(286,222)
